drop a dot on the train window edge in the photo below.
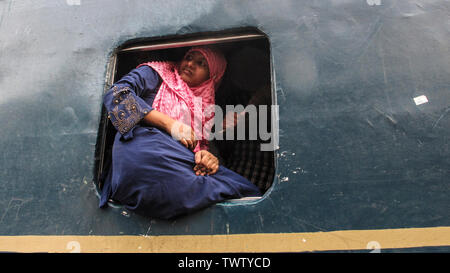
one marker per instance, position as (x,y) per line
(244,42)
(103,123)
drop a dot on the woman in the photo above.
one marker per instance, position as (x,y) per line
(161,166)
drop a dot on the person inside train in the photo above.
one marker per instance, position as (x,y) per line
(247,82)
(161,166)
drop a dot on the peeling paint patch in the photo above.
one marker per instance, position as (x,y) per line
(299,170)
(374,2)
(284,179)
(73,2)
(420,100)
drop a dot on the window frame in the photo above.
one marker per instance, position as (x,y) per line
(177,41)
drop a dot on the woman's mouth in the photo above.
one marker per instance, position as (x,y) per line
(186,71)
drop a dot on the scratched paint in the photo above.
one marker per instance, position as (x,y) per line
(356,152)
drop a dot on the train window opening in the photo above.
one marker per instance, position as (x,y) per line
(246,86)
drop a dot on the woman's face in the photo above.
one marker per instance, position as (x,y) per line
(194,69)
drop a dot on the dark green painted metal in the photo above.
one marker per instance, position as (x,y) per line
(355,151)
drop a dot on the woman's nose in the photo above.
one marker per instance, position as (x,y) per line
(191,63)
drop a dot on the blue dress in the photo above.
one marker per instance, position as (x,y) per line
(151,173)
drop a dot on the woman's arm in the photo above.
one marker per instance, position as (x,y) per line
(124,100)
(158,120)
(126,107)
(176,129)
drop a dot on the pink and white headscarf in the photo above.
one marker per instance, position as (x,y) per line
(192,106)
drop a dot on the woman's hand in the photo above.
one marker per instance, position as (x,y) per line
(176,129)
(184,134)
(230,120)
(205,163)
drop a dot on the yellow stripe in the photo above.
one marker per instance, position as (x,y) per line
(264,242)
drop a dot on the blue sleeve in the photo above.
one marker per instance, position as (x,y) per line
(124,102)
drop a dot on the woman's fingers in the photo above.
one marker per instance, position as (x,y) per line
(213,169)
(206,163)
(230,120)
(189,143)
(193,139)
(205,159)
(199,167)
(184,142)
(198,157)
(192,142)
(181,131)
(209,160)
(200,171)
(211,163)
